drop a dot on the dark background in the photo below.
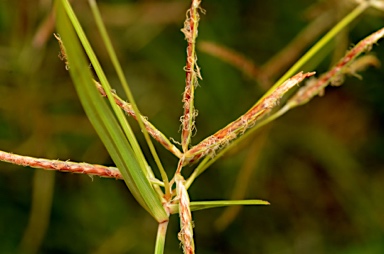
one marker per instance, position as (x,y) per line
(320,166)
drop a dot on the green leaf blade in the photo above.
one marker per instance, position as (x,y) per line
(201,205)
(105,122)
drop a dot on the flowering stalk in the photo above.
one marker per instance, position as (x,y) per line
(241,124)
(192,74)
(155,133)
(336,75)
(186,224)
(64,166)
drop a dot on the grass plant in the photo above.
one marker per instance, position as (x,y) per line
(163,191)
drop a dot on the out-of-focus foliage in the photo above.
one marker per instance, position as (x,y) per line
(320,166)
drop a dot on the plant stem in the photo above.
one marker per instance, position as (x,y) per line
(160,238)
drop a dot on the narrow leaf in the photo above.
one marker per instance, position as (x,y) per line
(104,121)
(200,205)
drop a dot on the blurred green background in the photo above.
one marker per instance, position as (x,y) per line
(321,165)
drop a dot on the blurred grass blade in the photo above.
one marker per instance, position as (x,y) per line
(104,120)
(200,205)
(320,44)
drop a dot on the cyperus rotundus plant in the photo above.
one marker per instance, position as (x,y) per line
(163,197)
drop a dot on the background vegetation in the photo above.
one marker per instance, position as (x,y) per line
(320,166)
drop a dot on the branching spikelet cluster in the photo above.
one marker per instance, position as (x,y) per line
(265,109)
(347,65)
(240,125)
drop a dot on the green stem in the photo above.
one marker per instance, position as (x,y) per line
(160,238)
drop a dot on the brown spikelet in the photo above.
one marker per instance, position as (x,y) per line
(63,166)
(186,224)
(152,130)
(190,31)
(336,75)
